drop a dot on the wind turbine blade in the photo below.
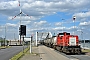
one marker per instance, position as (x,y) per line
(16,16)
(26,14)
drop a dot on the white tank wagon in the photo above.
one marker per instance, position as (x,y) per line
(53,41)
(45,41)
(50,41)
(41,41)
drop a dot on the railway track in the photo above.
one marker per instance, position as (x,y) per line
(82,56)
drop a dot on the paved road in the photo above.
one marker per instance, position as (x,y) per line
(6,54)
(49,54)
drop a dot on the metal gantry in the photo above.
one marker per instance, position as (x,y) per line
(42,35)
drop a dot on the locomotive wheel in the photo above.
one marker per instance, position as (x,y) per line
(54,47)
(79,52)
(60,50)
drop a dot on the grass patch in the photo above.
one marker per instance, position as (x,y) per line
(19,55)
(3,47)
(85,50)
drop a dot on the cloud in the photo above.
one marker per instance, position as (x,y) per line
(42,8)
(40,23)
(25,22)
(73,28)
(36,9)
(23,18)
(11,25)
(58,24)
(83,23)
(82,15)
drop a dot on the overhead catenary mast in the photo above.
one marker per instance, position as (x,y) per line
(62,25)
(20,16)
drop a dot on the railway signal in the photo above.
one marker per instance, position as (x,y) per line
(19,30)
(19,14)
(22,30)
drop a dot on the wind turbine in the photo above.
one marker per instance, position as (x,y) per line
(20,16)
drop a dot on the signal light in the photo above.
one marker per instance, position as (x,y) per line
(22,30)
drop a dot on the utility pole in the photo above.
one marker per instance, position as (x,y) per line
(83,39)
(82,36)
(5,36)
(14,37)
(62,25)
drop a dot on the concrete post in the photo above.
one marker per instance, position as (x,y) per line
(36,37)
(30,45)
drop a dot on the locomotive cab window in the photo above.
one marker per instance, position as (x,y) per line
(60,37)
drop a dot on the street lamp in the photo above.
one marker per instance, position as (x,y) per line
(74,17)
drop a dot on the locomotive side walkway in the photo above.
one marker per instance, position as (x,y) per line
(43,53)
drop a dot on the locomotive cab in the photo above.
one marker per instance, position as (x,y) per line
(68,43)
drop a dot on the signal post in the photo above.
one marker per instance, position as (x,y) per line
(22,33)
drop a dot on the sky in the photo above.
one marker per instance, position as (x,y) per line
(53,16)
